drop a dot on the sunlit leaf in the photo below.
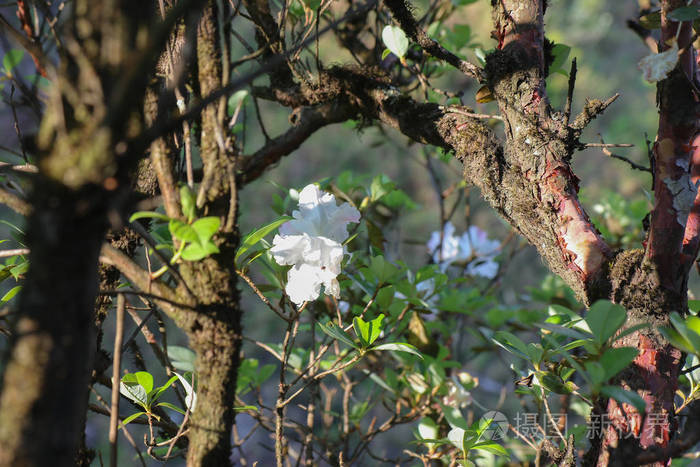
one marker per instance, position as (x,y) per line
(395,40)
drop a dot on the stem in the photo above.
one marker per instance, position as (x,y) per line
(116,370)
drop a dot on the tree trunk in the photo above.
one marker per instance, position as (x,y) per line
(52,353)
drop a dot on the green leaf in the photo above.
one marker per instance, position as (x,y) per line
(145,379)
(187,200)
(182,358)
(511,343)
(12,59)
(148,214)
(604,319)
(19,268)
(395,40)
(677,339)
(560,52)
(265,372)
(236,99)
(460,35)
(535,352)
(454,417)
(368,332)
(493,448)
(130,388)
(380,381)
(428,429)
(254,237)
(361,330)
(630,330)
(171,406)
(336,332)
(131,418)
(157,392)
(246,407)
(205,228)
(182,231)
(381,186)
(689,329)
(382,269)
(399,347)
(385,53)
(385,296)
(10,294)
(694,305)
(190,395)
(564,331)
(596,372)
(616,359)
(622,395)
(685,13)
(196,251)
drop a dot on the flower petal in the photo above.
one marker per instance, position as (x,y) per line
(289,249)
(303,283)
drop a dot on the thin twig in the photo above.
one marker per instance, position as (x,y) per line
(609,145)
(262,297)
(116,369)
(18,130)
(16,252)
(634,165)
(180,431)
(408,23)
(570,93)
(150,296)
(14,202)
(472,114)
(28,168)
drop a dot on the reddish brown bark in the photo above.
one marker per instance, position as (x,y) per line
(539,145)
(650,285)
(662,275)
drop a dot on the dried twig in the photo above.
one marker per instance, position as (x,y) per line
(16,252)
(604,147)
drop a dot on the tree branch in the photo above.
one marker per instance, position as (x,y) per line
(307,121)
(403,15)
(674,193)
(141,279)
(14,202)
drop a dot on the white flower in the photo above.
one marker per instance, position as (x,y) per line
(656,67)
(426,290)
(476,242)
(457,396)
(450,245)
(312,244)
(318,215)
(474,245)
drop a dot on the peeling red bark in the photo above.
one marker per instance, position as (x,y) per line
(654,374)
(678,125)
(691,239)
(520,30)
(649,284)
(671,247)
